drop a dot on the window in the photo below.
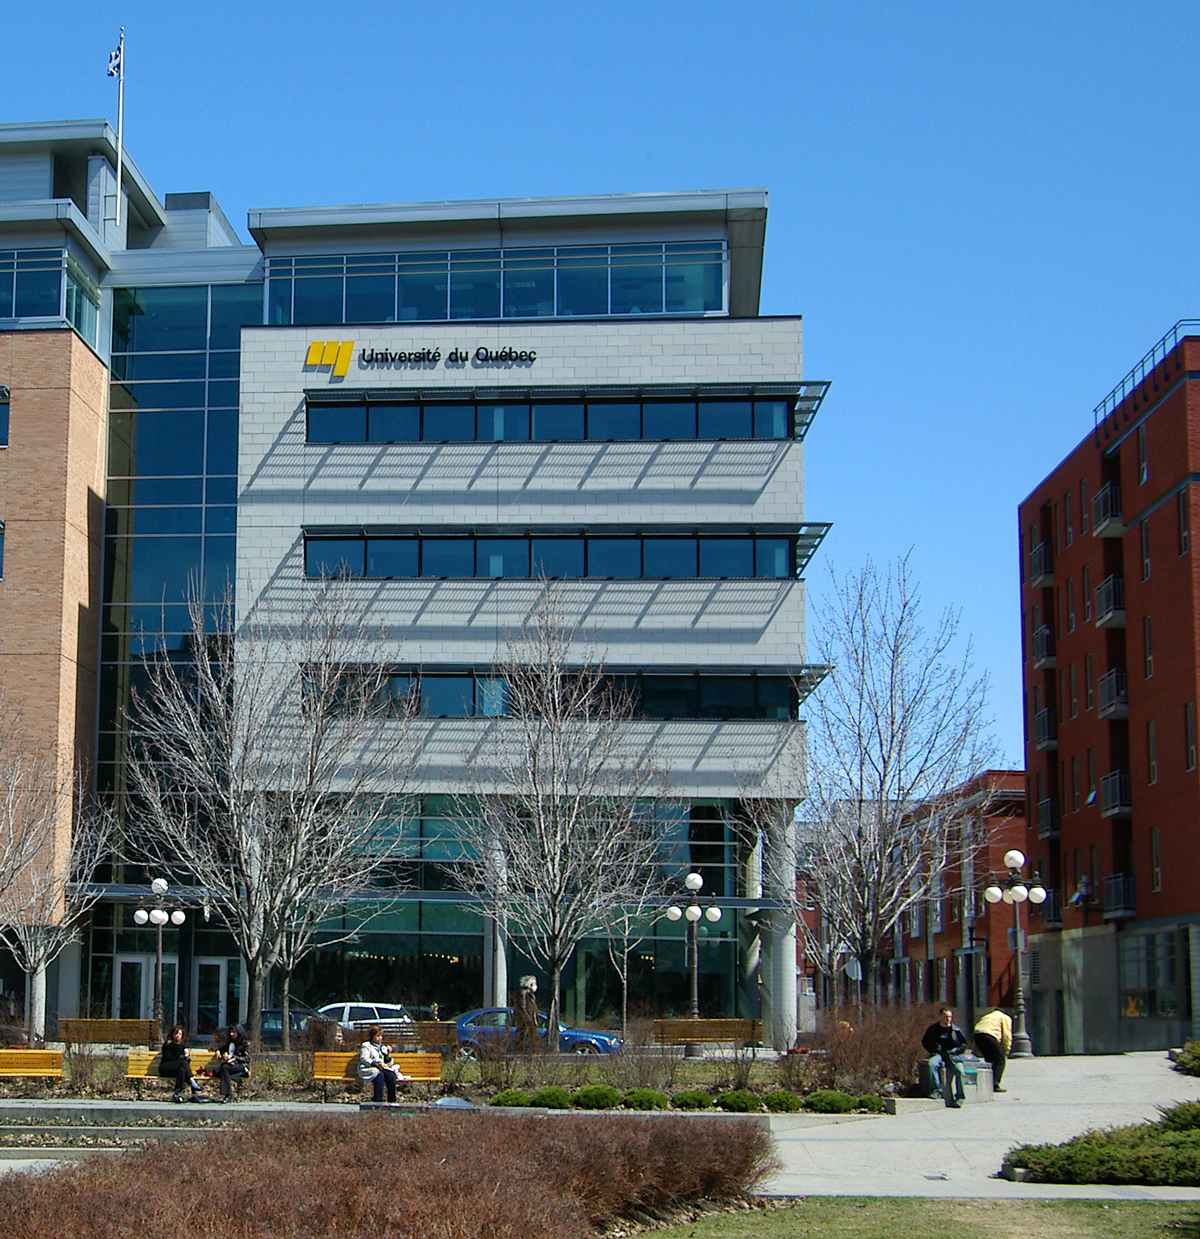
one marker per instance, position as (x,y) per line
(1067,515)
(1088,690)
(1074,696)
(3,416)
(1,550)
(1083,505)
(1147,648)
(1151,754)
(1147,976)
(1074,784)
(1142,463)
(1184,506)
(1091,776)
(1054,518)
(1155,861)
(1146,550)
(1189,735)
(1087,596)
(1070,604)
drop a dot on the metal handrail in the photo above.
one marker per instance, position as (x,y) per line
(1112,689)
(1116,791)
(1106,504)
(1043,643)
(1110,596)
(1143,370)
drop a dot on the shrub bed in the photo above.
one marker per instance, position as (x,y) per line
(783,1101)
(830,1101)
(1189,1058)
(448,1177)
(740,1101)
(871,1102)
(510,1097)
(596,1097)
(645,1099)
(1165,1153)
(691,1099)
(550,1097)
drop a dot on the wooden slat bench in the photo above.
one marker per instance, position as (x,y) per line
(409,1035)
(143,1066)
(42,1064)
(107,1032)
(340,1068)
(696,1032)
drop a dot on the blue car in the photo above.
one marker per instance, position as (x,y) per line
(496,1028)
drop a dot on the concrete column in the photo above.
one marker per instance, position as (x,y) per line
(749,939)
(779,937)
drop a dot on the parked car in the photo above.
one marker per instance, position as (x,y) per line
(496,1026)
(13,1038)
(352,1016)
(299,1015)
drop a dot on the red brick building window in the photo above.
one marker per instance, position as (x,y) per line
(1185,521)
(1143,463)
(1189,735)
(1147,648)
(1155,861)
(1151,754)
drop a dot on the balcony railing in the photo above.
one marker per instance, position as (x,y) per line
(1043,648)
(1113,695)
(1110,603)
(1052,910)
(1047,818)
(1107,520)
(1116,795)
(1045,729)
(1041,565)
(1118,897)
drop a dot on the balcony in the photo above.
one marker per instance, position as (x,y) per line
(1051,910)
(1043,648)
(1045,730)
(1107,520)
(1113,695)
(1041,570)
(1110,603)
(1047,818)
(1118,897)
(1116,795)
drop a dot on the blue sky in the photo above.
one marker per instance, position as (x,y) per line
(981,211)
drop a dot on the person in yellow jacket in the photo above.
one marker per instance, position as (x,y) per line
(993,1040)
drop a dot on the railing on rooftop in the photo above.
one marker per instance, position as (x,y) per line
(1138,376)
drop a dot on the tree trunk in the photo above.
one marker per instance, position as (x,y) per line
(556,971)
(624,988)
(35,990)
(286,1001)
(254,1008)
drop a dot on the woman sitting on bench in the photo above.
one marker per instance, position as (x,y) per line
(175,1063)
(375,1064)
(233,1060)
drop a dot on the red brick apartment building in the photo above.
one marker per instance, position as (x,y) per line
(955,947)
(1110,620)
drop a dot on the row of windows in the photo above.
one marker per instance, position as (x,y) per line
(183,318)
(589,281)
(686,696)
(603,420)
(32,286)
(620,558)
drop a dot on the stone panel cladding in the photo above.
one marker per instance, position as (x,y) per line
(51,484)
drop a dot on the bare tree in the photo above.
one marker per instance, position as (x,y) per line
(43,911)
(895,735)
(558,824)
(271,768)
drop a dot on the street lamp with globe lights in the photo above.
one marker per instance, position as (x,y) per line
(158,916)
(1014,890)
(692,911)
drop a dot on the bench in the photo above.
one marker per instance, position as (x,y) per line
(43,1064)
(143,1066)
(696,1032)
(341,1068)
(424,1034)
(107,1032)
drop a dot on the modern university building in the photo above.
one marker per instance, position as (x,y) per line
(443,402)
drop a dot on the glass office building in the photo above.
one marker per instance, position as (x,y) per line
(440,405)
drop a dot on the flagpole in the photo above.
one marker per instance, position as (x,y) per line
(120,118)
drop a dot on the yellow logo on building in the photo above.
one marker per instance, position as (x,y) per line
(335,353)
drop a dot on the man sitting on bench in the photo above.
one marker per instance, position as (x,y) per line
(946,1043)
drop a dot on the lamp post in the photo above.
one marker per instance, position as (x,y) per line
(1013,890)
(158,916)
(693,912)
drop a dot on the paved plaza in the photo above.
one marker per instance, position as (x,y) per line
(943,1152)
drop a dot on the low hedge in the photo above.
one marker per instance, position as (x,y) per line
(691,1099)
(871,1102)
(783,1101)
(645,1099)
(740,1101)
(1189,1058)
(551,1097)
(510,1097)
(1161,1154)
(596,1097)
(830,1101)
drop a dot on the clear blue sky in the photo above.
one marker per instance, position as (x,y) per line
(982,211)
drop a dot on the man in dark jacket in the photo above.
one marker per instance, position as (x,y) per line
(946,1043)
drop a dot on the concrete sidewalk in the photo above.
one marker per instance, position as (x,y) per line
(944,1152)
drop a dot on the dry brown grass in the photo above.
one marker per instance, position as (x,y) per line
(442,1176)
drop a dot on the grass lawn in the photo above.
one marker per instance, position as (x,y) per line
(886,1218)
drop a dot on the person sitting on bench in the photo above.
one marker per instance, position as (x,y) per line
(176,1063)
(233,1060)
(375,1064)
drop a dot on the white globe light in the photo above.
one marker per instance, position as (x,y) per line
(693,913)
(158,916)
(177,917)
(1008,897)
(993,894)
(713,914)
(159,886)
(141,916)
(693,882)
(674,913)
(1014,859)
(1037,894)
(1019,894)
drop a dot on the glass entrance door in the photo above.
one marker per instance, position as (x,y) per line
(210,996)
(133,993)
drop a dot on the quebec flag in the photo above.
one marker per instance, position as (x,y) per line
(114,63)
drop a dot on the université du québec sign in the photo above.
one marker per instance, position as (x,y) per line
(482,356)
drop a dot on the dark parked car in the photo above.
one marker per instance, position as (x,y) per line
(13,1038)
(299,1016)
(495,1027)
